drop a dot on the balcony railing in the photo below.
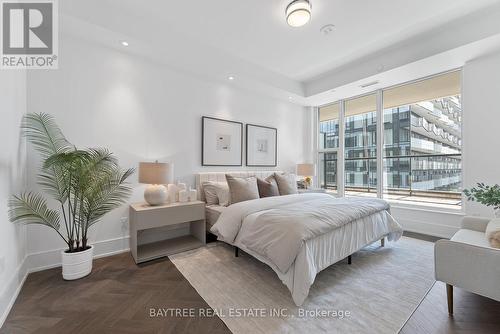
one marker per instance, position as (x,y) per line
(430,175)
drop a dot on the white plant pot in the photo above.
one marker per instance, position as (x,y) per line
(77,265)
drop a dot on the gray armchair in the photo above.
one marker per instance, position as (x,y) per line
(468,261)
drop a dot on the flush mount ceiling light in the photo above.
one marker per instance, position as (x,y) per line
(298,13)
(124,43)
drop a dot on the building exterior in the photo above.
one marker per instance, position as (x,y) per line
(421,156)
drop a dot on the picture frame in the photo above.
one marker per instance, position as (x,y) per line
(261,146)
(221,142)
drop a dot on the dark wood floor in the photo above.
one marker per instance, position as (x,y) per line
(118,295)
(472,314)
(115,298)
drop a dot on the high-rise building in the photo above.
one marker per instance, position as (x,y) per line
(421,148)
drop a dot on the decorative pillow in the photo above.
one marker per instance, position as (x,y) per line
(242,189)
(216,193)
(268,187)
(493,232)
(287,183)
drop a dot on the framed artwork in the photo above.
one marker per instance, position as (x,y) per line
(221,142)
(262,146)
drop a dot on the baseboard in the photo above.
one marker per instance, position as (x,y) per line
(12,289)
(50,259)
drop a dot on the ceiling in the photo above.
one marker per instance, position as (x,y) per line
(253,33)
(255,30)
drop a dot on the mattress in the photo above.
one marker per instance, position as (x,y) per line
(212,213)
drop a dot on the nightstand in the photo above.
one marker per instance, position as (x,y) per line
(189,216)
(312,190)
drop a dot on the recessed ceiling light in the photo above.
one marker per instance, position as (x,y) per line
(230,78)
(290,98)
(124,43)
(298,13)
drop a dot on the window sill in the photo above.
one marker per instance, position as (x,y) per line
(428,207)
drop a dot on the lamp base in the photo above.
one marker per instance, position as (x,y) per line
(155,194)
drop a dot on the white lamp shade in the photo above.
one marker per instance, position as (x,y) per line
(155,173)
(306,170)
(298,13)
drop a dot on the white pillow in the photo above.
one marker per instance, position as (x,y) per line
(493,232)
(216,193)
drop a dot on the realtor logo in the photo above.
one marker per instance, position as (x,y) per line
(29,34)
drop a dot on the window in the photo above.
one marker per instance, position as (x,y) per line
(361,146)
(420,154)
(328,146)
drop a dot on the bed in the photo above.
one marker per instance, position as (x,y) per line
(300,235)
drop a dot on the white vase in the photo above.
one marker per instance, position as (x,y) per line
(497,213)
(173,191)
(183,196)
(193,194)
(77,265)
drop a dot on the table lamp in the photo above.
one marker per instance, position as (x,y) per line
(155,174)
(306,170)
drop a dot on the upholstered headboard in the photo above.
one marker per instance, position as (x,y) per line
(221,177)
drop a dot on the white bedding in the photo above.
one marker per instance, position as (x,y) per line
(315,254)
(212,213)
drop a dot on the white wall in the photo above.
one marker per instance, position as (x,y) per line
(12,164)
(481,104)
(143,111)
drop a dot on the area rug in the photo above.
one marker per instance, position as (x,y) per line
(377,293)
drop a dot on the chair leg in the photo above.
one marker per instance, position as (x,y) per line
(449,294)
(382,242)
(349,259)
(236,251)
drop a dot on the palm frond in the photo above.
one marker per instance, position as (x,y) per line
(42,131)
(53,182)
(31,208)
(107,194)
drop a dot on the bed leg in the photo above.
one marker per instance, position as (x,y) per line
(236,251)
(349,259)
(382,242)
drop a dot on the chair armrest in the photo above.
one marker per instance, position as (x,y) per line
(475,223)
(470,267)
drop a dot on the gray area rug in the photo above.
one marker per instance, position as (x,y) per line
(376,294)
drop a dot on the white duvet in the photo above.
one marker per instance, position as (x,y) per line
(300,235)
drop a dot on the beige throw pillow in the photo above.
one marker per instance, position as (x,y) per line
(216,193)
(242,189)
(493,232)
(287,183)
(268,187)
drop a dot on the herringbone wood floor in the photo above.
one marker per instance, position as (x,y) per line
(115,298)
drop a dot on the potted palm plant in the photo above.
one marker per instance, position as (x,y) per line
(86,184)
